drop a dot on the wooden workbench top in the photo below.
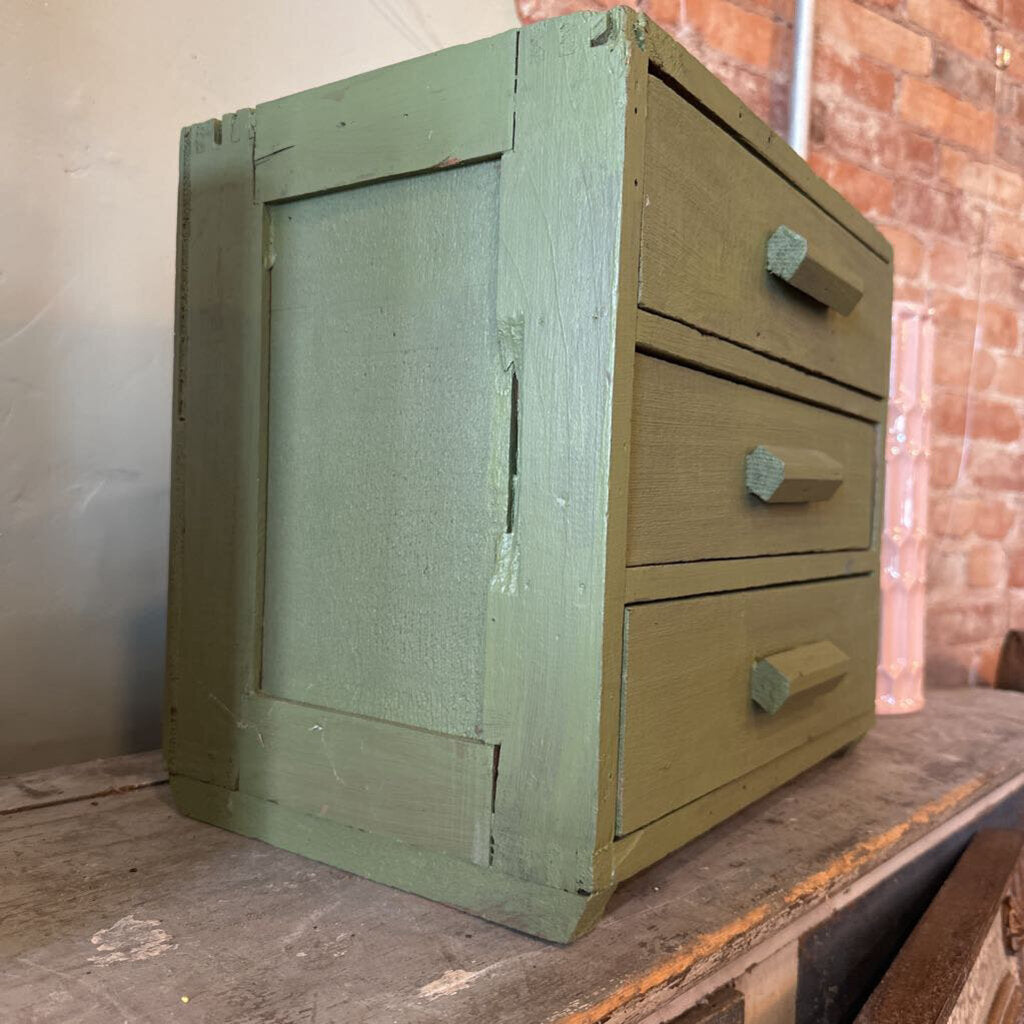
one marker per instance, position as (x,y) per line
(113,907)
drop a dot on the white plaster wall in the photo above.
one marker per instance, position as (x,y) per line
(94,94)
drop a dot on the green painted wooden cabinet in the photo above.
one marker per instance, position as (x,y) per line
(526,468)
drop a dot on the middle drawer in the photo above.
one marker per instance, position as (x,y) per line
(700,444)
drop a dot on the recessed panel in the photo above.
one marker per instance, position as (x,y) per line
(388,447)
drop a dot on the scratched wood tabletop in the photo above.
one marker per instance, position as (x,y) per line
(113,907)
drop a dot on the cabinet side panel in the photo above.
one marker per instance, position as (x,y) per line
(212,624)
(388,448)
(561,208)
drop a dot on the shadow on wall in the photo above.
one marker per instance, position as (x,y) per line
(82,640)
(144,647)
(54,713)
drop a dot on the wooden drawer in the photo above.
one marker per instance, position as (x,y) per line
(688,497)
(689,723)
(710,208)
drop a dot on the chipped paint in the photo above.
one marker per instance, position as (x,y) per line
(704,946)
(129,939)
(451,982)
(327,754)
(511,331)
(856,857)
(603,37)
(506,572)
(839,871)
(239,722)
(640,30)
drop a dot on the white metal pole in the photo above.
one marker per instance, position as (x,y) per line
(800,86)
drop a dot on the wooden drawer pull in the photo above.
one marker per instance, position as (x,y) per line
(791,475)
(790,258)
(773,680)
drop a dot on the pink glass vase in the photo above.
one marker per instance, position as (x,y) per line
(900,681)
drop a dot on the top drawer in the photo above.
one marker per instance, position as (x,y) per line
(710,208)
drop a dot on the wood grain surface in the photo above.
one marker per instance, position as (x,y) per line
(67,783)
(420,787)
(673,63)
(215,578)
(688,497)
(709,271)
(689,724)
(255,933)
(685,579)
(560,220)
(950,968)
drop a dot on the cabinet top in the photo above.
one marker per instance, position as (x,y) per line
(459,104)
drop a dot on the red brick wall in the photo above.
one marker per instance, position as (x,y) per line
(912,121)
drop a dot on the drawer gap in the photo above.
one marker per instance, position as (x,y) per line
(751,590)
(705,333)
(743,558)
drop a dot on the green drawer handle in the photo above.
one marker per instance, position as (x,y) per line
(773,680)
(790,257)
(780,475)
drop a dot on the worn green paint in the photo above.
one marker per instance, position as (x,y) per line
(423,788)
(214,580)
(561,198)
(407,313)
(784,253)
(388,443)
(442,108)
(769,688)
(763,472)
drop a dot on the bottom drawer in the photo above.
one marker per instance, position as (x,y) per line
(690,723)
